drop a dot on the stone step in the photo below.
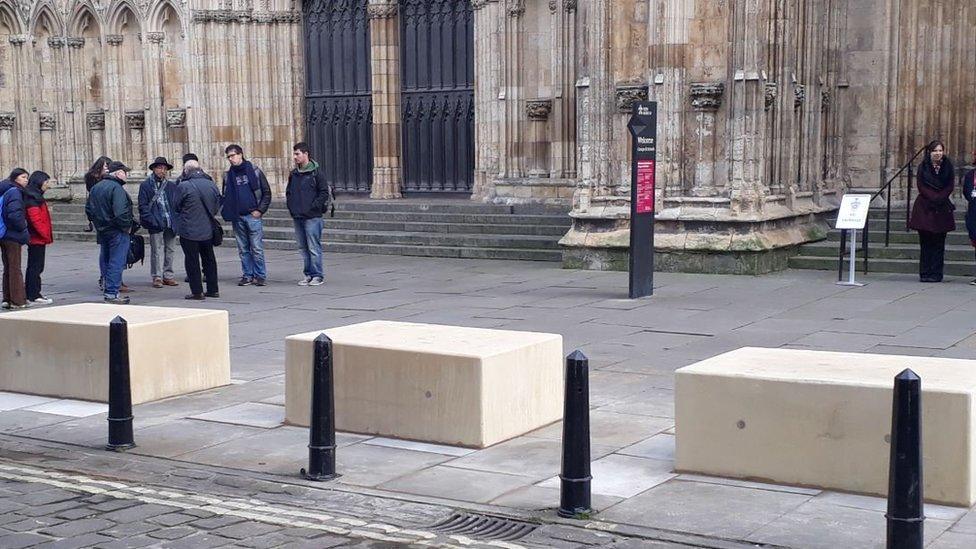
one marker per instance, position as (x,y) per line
(72,221)
(906,266)
(516,254)
(895,251)
(957,237)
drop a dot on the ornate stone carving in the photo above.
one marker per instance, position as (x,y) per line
(478,4)
(155,37)
(75,42)
(135,120)
(95,120)
(570,6)
(17,39)
(707,96)
(47,122)
(516,7)
(538,109)
(628,95)
(55,42)
(825,100)
(771,92)
(553,6)
(114,39)
(245,16)
(799,95)
(7,120)
(382,10)
(176,118)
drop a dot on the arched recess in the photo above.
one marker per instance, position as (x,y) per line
(126,83)
(88,63)
(167,21)
(47,88)
(9,26)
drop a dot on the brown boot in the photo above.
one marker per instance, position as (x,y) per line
(124,289)
(157,283)
(170,282)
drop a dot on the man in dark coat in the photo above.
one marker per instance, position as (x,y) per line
(155,215)
(245,199)
(307,196)
(110,209)
(14,238)
(932,213)
(196,204)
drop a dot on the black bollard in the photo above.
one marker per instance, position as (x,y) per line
(574,496)
(119,391)
(905,512)
(321,433)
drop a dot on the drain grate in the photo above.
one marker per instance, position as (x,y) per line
(483,527)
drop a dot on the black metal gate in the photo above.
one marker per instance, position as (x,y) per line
(338,102)
(437,55)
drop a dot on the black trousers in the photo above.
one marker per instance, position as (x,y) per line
(196,252)
(35,266)
(933,255)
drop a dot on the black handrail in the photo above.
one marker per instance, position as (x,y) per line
(908,200)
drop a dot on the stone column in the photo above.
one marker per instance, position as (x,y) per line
(748,187)
(384,36)
(47,123)
(7,121)
(152,59)
(95,123)
(113,125)
(489,22)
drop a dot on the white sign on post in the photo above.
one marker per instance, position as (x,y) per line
(853,212)
(853,215)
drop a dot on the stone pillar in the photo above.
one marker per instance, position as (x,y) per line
(489,22)
(47,124)
(7,121)
(384,36)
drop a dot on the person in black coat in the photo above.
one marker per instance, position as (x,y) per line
(932,213)
(197,202)
(969,192)
(93,176)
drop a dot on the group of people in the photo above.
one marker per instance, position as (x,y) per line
(933,214)
(185,207)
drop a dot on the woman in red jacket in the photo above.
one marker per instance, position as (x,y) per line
(41,234)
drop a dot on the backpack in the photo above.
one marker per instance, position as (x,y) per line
(137,250)
(3,223)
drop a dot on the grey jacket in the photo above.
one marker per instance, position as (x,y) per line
(197,202)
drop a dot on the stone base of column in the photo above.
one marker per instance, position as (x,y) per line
(386,183)
(529,190)
(702,241)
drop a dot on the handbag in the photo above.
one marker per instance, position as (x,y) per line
(218,232)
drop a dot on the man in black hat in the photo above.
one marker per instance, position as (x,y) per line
(110,209)
(155,215)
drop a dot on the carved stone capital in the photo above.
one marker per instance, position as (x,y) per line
(570,6)
(538,109)
(176,118)
(707,96)
(114,39)
(135,120)
(75,42)
(478,4)
(95,120)
(17,39)
(626,96)
(825,99)
(516,8)
(245,16)
(771,92)
(47,122)
(7,120)
(55,42)
(155,37)
(799,95)
(381,9)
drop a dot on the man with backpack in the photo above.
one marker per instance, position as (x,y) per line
(110,209)
(245,199)
(308,196)
(155,215)
(13,236)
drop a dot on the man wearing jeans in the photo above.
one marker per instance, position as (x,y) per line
(246,197)
(110,209)
(307,195)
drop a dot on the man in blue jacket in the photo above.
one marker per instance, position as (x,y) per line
(14,237)
(110,209)
(246,197)
(156,195)
(307,196)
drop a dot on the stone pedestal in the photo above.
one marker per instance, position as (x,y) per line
(445,384)
(823,419)
(63,351)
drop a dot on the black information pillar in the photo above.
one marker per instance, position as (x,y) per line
(643,131)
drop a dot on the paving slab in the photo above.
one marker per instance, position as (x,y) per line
(71,408)
(249,414)
(13,401)
(535,458)
(623,476)
(458,484)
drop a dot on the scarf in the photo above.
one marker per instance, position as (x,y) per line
(33,195)
(937,181)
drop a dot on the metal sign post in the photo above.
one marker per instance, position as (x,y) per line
(643,131)
(853,215)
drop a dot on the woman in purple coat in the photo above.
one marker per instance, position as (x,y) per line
(932,213)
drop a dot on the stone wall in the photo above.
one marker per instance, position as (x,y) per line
(137,79)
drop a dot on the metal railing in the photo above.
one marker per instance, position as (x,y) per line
(908,171)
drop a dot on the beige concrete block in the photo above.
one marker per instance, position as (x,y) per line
(821,419)
(446,384)
(63,351)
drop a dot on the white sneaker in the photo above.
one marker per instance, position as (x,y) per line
(305,281)
(5,305)
(317,281)
(43,301)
